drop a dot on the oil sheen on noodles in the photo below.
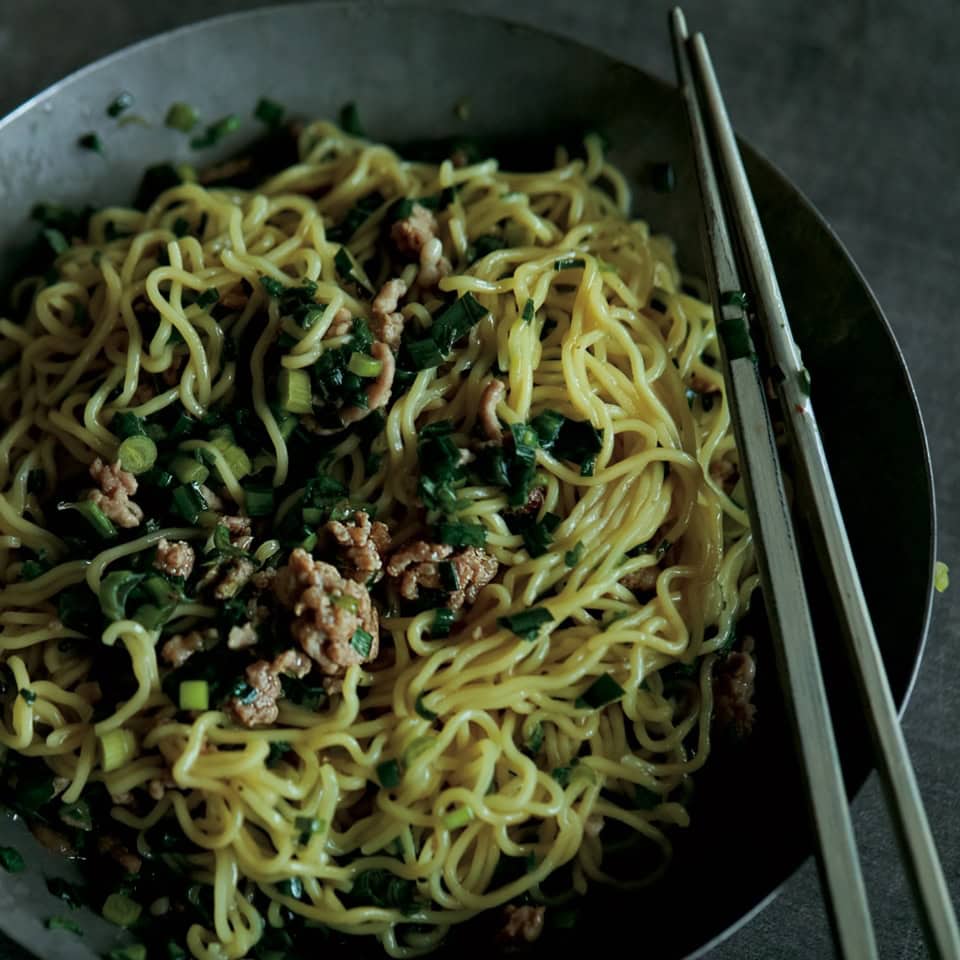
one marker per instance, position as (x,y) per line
(585,316)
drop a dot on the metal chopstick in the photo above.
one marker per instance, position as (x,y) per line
(779,560)
(903,797)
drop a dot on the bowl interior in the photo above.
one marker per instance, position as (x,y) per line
(406,67)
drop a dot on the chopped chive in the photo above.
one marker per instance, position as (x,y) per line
(291,887)
(418,746)
(56,240)
(90,141)
(28,696)
(137,951)
(216,132)
(189,502)
(308,826)
(443,620)
(736,338)
(941,576)
(119,909)
(422,709)
(569,263)
(296,391)
(258,500)
(424,354)
(64,923)
(189,470)
(456,321)
(77,815)
(526,624)
(181,227)
(269,112)
(458,818)
(126,424)
(462,534)
(12,860)
(123,101)
(538,537)
(602,691)
(181,116)
(528,312)
(364,366)
(803,381)
(535,740)
(350,120)
(572,557)
(388,773)
(348,270)
(733,298)
(362,642)
(346,602)
(117,747)
(97,519)
(208,298)
(194,695)
(137,454)
(663,178)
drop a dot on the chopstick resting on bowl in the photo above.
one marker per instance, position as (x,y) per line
(747,300)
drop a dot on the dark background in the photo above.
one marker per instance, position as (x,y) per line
(859,104)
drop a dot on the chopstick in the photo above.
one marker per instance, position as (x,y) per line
(791,625)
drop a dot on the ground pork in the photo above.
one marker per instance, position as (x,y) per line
(725,474)
(416,566)
(113,848)
(521,924)
(328,611)
(416,236)
(387,319)
(492,394)
(113,498)
(260,707)
(175,559)
(341,324)
(292,662)
(238,572)
(363,545)
(700,384)
(181,647)
(733,682)
(378,393)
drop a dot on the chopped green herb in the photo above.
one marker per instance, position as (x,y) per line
(563,775)
(269,112)
(90,141)
(216,132)
(424,354)
(296,391)
(528,312)
(572,557)
(137,454)
(136,951)
(569,263)
(535,739)
(97,519)
(443,620)
(308,826)
(364,366)
(11,860)
(258,500)
(208,298)
(422,709)
(526,624)
(28,696)
(538,537)
(803,381)
(77,815)
(64,923)
(347,269)
(181,116)
(736,338)
(458,818)
(56,240)
(388,773)
(602,691)
(462,534)
(456,321)
(124,101)
(119,909)
(274,287)
(126,424)
(362,642)
(350,120)
(733,298)
(941,576)
(188,500)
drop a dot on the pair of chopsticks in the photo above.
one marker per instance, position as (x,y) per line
(737,251)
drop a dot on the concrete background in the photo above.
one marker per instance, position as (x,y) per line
(857,102)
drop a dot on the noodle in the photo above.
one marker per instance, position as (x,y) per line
(526,685)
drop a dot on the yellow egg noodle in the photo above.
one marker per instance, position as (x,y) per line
(445,757)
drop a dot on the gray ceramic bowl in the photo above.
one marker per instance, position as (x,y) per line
(406,67)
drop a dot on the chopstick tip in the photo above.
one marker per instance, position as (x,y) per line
(678,23)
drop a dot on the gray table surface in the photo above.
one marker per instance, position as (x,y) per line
(859,104)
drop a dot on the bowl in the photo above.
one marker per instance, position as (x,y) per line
(407,68)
